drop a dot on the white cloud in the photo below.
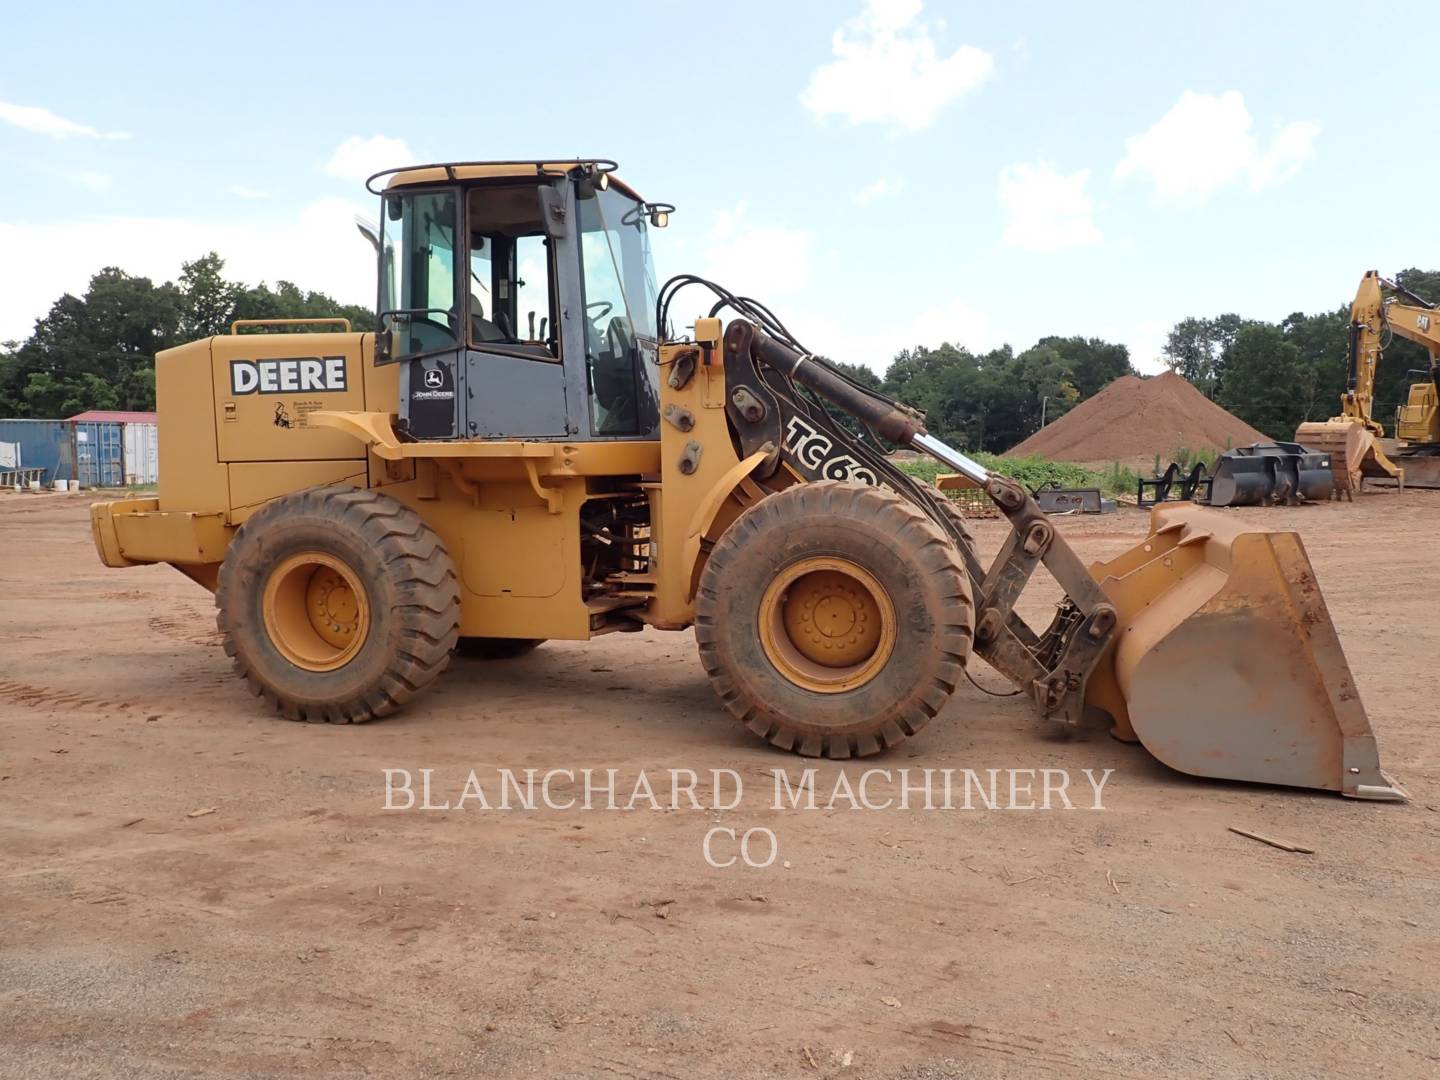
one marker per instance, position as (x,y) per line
(1046,210)
(1204,143)
(756,260)
(359,157)
(317,248)
(240,191)
(1146,342)
(41,121)
(879,189)
(92,179)
(955,321)
(887,69)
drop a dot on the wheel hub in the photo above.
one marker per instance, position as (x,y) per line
(316,611)
(827,625)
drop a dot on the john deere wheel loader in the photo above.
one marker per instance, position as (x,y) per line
(524,450)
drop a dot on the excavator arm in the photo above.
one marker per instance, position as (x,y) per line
(1351,439)
(1373,316)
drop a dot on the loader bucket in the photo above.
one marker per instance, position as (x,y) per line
(1227,664)
(1353,451)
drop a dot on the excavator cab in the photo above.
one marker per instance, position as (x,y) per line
(521,306)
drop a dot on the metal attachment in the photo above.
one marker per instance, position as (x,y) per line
(682,368)
(690,458)
(751,407)
(679,417)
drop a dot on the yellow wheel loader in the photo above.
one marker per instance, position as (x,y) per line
(1380,310)
(525,450)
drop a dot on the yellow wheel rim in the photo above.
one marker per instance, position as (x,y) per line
(827,625)
(316,611)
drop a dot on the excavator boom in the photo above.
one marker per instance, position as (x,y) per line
(1382,308)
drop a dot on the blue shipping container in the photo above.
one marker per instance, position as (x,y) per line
(99,453)
(43,444)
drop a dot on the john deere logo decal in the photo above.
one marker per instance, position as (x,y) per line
(305,375)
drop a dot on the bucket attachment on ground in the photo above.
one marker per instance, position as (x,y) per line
(1266,473)
(1163,487)
(1354,453)
(1227,665)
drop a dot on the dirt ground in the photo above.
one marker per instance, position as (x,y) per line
(303,929)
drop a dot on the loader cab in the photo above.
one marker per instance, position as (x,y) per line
(521,301)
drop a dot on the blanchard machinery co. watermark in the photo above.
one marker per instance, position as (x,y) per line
(723,790)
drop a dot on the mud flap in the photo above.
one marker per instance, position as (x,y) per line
(1227,664)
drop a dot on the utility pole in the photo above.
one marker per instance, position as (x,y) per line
(1043,402)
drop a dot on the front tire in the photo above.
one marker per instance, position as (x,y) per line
(337,605)
(834,619)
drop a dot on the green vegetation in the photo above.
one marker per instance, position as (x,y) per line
(97,351)
(1036,472)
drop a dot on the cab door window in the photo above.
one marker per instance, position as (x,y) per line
(418,300)
(510,273)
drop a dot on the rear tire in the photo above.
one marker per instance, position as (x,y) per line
(496,648)
(337,605)
(834,619)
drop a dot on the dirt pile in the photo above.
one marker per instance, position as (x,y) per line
(1133,419)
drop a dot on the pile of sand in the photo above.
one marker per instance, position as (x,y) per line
(1133,419)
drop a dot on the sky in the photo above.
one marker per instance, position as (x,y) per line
(882,173)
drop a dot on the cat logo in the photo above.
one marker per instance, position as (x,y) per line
(307,375)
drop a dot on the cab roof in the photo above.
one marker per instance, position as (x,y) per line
(442,172)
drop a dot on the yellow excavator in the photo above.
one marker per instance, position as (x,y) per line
(526,448)
(1382,309)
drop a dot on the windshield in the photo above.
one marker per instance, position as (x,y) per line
(619,288)
(615,244)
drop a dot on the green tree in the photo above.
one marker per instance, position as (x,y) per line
(1094,364)
(1263,384)
(210,300)
(98,350)
(1196,349)
(1321,342)
(288,301)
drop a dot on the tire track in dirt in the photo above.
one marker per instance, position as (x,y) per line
(182,628)
(44,697)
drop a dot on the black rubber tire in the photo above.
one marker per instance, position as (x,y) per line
(955,514)
(915,561)
(496,648)
(409,580)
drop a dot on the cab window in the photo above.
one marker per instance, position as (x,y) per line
(418,300)
(619,305)
(510,280)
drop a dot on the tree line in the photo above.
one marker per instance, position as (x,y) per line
(97,351)
(1275,376)
(993,400)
